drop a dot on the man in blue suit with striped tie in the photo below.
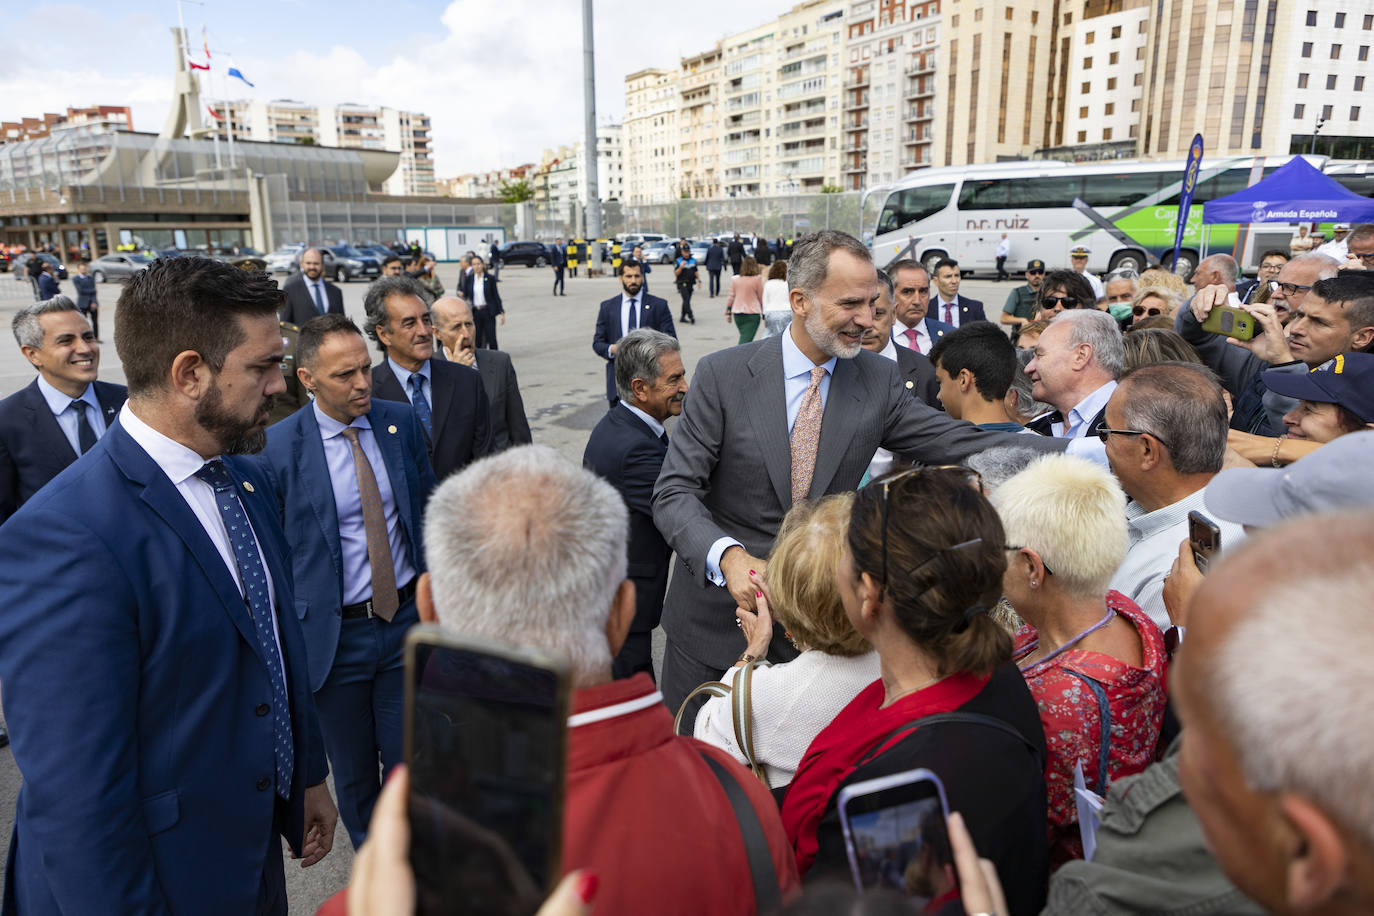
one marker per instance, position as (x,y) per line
(352,477)
(154,672)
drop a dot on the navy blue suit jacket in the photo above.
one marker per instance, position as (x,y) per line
(653,313)
(33,448)
(625,451)
(969,310)
(489,287)
(85,291)
(47,286)
(294,460)
(138,698)
(461,412)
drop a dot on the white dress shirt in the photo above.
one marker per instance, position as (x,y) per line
(1154,538)
(796,372)
(180,464)
(479,291)
(322,304)
(61,407)
(953,313)
(657,427)
(628,304)
(899,336)
(1098,289)
(882,458)
(1004,248)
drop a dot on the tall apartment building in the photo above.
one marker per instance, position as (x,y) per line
(487,184)
(560,182)
(1106,83)
(889,118)
(111,117)
(650,135)
(699,122)
(1256,76)
(348,125)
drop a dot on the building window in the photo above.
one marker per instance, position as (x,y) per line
(1359,84)
(954,21)
(1082,134)
(1331,81)
(1111,83)
(1299,111)
(1068,17)
(1144,27)
(1116,31)
(1302,80)
(1364,52)
(1083,111)
(978,14)
(1335,52)
(1326,112)
(1035,17)
(1111,108)
(1113,58)
(1140,53)
(1354,112)
(1340,20)
(1087,87)
(1091,37)
(1135,106)
(1010,14)
(1087,63)
(1138,79)
(1368,21)
(1306,47)
(1106,133)
(1311,17)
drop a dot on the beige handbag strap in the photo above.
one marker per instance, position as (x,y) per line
(741,712)
(714,688)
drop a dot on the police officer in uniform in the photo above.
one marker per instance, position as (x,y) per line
(1020,307)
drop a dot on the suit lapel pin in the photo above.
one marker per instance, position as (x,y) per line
(248,486)
(391,429)
(910,384)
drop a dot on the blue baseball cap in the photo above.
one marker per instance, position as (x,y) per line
(1346,380)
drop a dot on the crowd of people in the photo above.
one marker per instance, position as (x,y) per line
(890,535)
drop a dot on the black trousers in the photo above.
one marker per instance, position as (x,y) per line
(715,282)
(686,292)
(93,315)
(1001,267)
(681,675)
(734,267)
(486,328)
(557,279)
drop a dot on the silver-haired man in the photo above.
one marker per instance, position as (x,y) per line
(527,548)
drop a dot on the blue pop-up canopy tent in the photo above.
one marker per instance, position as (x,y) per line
(1295,193)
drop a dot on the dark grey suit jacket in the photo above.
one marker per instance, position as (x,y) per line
(728,470)
(918,376)
(509,425)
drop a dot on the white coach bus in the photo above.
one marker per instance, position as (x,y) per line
(1124,211)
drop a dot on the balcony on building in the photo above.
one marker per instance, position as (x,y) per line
(856,103)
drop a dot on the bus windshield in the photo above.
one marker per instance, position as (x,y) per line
(913,204)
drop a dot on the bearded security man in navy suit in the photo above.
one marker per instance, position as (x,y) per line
(154,672)
(621,314)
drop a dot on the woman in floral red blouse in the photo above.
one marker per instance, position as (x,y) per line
(1094,662)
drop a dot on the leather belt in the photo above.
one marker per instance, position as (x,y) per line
(364,608)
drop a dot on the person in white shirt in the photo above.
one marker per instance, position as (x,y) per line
(791,702)
(1078,260)
(1003,252)
(1336,248)
(1077,362)
(1166,435)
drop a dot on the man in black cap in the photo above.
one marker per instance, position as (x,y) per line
(1020,307)
(1334,399)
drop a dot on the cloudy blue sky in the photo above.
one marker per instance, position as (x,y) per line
(502,79)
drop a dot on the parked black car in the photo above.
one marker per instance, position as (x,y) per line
(352,263)
(531,254)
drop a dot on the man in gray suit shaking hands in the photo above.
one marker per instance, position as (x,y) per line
(773,423)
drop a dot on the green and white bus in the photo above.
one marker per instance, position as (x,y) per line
(1124,211)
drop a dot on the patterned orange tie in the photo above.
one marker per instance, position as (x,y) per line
(806,437)
(384,598)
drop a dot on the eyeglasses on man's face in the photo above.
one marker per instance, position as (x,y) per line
(1290,289)
(1105,432)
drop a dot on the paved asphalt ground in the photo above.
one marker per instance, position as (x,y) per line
(561,380)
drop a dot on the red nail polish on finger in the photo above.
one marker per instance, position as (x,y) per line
(752,573)
(758,594)
(587,886)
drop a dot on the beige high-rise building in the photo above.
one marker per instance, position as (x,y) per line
(650,136)
(699,120)
(1106,64)
(1256,77)
(890,116)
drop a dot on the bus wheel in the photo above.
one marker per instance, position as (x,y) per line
(931,258)
(1130,259)
(1187,263)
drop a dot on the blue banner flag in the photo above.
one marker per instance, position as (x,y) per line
(234,72)
(1185,198)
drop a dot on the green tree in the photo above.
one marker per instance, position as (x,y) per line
(305,141)
(516,192)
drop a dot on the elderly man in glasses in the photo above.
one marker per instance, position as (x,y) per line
(1239,363)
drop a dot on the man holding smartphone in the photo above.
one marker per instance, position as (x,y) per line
(352,476)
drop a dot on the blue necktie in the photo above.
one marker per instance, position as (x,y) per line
(319,303)
(85,433)
(259,603)
(634,316)
(421,405)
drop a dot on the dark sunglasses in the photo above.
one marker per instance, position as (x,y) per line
(1068,302)
(1104,432)
(1152,311)
(970,476)
(1035,273)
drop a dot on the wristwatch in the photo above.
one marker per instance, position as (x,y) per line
(1173,638)
(745,659)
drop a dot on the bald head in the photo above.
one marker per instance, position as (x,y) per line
(1274,764)
(1216,269)
(453,324)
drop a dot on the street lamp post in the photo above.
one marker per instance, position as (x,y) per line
(1312,150)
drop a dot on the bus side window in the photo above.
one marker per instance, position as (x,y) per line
(913,204)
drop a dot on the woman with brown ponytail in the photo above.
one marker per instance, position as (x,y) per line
(924,563)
